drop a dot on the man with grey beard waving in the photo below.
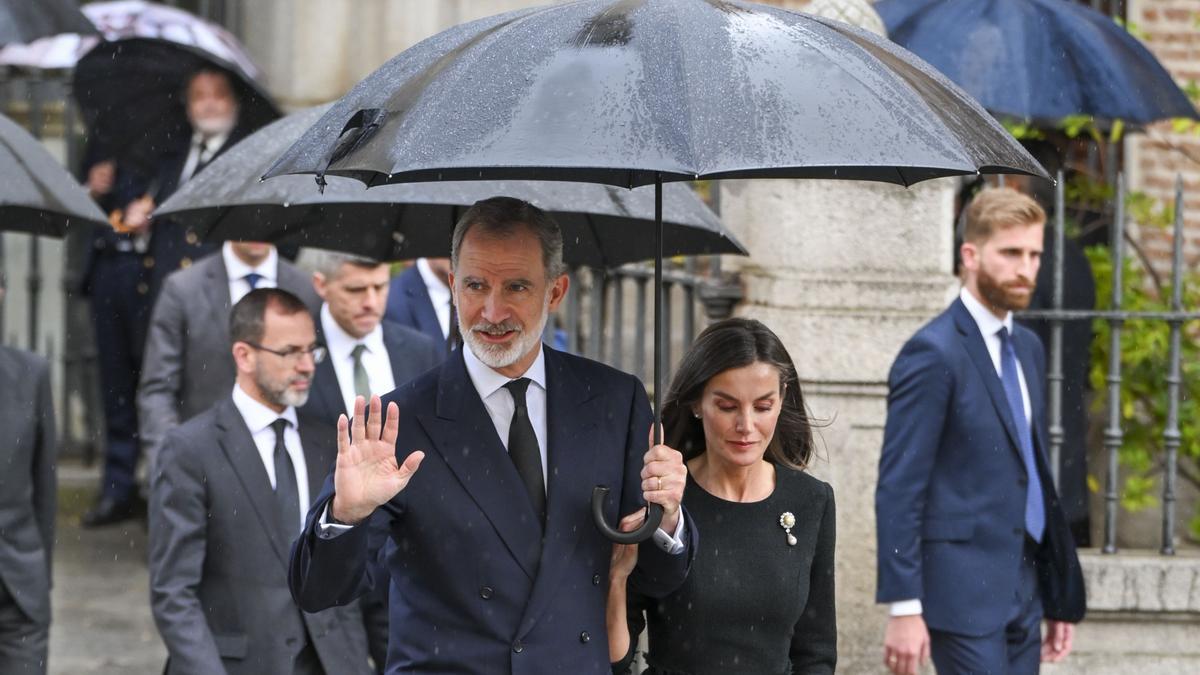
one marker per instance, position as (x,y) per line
(481,473)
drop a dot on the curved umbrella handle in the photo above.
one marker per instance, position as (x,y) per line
(654,514)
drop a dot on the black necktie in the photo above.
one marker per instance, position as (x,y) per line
(287,494)
(523,449)
(203,157)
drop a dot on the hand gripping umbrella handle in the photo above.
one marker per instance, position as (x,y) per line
(654,514)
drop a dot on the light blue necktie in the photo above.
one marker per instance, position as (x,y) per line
(1035,507)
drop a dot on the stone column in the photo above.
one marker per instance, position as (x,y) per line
(844,273)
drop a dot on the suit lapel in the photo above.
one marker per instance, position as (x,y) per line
(1037,403)
(217,292)
(978,352)
(571,476)
(239,449)
(465,437)
(393,342)
(326,388)
(424,315)
(319,444)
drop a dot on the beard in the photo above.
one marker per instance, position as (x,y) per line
(281,393)
(503,356)
(1003,296)
(215,126)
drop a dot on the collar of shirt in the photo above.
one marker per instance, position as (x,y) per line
(211,144)
(341,344)
(988,324)
(257,415)
(488,381)
(237,270)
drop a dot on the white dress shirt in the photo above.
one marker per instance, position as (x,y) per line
(237,270)
(200,149)
(259,418)
(375,359)
(989,327)
(500,406)
(439,294)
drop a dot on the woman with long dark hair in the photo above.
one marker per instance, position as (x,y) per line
(759,597)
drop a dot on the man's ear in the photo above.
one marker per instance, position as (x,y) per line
(318,281)
(243,357)
(558,290)
(969,253)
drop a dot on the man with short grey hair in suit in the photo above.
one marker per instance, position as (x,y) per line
(366,355)
(228,495)
(186,367)
(27,504)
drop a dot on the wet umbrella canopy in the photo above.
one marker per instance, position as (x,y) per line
(37,195)
(131,95)
(603,226)
(24,21)
(1038,59)
(618,92)
(637,92)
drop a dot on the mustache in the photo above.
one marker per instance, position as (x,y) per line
(496,328)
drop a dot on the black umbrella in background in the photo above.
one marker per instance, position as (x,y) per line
(633,92)
(37,195)
(603,226)
(24,21)
(131,97)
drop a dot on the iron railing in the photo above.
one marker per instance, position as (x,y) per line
(1116,317)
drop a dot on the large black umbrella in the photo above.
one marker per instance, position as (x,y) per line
(37,195)
(131,96)
(24,21)
(1038,59)
(633,92)
(603,226)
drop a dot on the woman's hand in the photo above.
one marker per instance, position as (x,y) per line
(624,559)
(624,556)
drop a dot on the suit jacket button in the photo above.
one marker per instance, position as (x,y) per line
(1018,531)
(518,647)
(595,579)
(143,288)
(291,642)
(1023,482)
(584,637)
(486,592)
(148,262)
(191,237)
(185,263)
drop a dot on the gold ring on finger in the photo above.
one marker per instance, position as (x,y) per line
(660,482)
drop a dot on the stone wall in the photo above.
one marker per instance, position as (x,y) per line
(844,273)
(1171,30)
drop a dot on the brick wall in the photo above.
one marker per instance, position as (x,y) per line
(1169,28)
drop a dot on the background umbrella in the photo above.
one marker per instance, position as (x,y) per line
(27,20)
(635,92)
(1038,59)
(130,87)
(37,195)
(602,226)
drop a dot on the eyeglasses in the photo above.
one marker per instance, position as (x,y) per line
(316,351)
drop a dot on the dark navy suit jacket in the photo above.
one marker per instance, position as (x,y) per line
(475,587)
(409,305)
(950,502)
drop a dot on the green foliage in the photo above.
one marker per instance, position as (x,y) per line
(1145,353)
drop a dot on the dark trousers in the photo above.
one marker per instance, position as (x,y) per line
(23,642)
(121,311)
(1014,649)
